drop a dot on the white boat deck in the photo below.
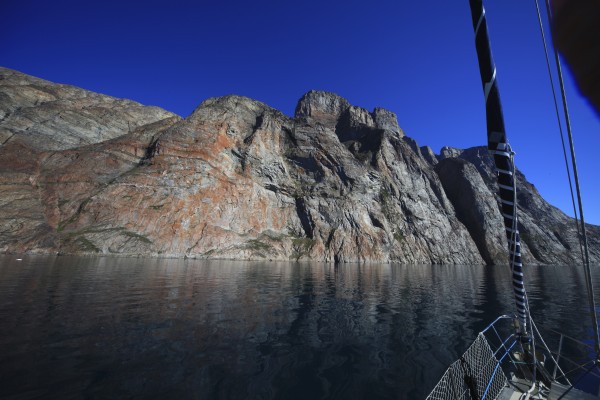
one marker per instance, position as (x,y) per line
(558,390)
(519,386)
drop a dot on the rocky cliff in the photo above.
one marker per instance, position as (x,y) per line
(85,173)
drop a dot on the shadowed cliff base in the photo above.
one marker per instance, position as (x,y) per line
(84,173)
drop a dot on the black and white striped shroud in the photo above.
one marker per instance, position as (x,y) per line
(503,156)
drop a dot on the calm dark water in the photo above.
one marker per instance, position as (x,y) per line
(94,328)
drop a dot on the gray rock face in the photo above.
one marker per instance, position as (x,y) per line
(238,179)
(475,208)
(450,152)
(323,106)
(386,120)
(547,234)
(33,111)
(429,155)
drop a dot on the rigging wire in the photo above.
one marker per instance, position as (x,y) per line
(560,127)
(583,236)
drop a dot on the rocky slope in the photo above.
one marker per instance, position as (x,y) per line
(238,179)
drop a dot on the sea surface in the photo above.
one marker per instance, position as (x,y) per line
(133,328)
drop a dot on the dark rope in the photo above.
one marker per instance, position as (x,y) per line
(562,137)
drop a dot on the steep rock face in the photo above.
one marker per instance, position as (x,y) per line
(39,185)
(475,207)
(368,193)
(548,236)
(238,179)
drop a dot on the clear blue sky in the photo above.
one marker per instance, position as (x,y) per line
(416,58)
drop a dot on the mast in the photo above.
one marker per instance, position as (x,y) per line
(503,157)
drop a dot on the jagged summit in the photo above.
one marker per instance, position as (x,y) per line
(330,108)
(317,103)
(239,179)
(325,107)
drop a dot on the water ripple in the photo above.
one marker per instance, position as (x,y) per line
(77,327)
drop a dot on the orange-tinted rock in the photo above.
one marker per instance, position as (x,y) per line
(238,179)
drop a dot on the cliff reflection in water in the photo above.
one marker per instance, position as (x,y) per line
(105,327)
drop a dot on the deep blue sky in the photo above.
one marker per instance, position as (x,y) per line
(415,58)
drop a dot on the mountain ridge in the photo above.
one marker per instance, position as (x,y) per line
(238,179)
